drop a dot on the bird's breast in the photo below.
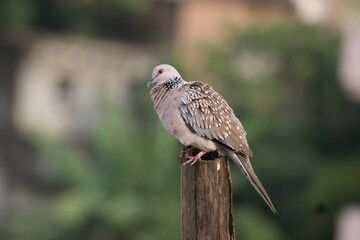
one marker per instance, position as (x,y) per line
(169,115)
(167,107)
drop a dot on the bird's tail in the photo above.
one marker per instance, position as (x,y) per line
(243,162)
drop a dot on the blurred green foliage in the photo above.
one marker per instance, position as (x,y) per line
(302,128)
(123,182)
(125,19)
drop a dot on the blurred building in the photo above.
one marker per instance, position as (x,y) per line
(200,24)
(61,82)
(313,11)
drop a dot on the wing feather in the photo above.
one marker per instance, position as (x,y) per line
(207,113)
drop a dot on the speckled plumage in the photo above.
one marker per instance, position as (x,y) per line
(173,82)
(199,116)
(209,115)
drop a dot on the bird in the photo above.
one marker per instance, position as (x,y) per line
(198,116)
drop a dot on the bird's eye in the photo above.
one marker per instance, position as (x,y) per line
(160,71)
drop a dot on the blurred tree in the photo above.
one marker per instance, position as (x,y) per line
(302,128)
(121,184)
(125,19)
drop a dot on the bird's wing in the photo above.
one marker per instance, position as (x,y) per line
(207,113)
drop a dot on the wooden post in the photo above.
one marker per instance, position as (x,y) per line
(206,199)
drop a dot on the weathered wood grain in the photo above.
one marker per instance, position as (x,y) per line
(207,200)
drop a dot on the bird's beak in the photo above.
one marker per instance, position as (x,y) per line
(151,81)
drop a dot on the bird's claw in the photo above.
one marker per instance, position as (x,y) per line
(187,153)
(193,159)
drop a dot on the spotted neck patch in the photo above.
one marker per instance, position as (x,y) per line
(173,82)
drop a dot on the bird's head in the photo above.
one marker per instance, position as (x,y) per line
(161,73)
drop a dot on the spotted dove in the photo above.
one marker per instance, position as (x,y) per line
(198,116)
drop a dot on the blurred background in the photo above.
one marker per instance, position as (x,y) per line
(84,156)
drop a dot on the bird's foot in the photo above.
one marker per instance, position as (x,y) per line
(186,153)
(193,159)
